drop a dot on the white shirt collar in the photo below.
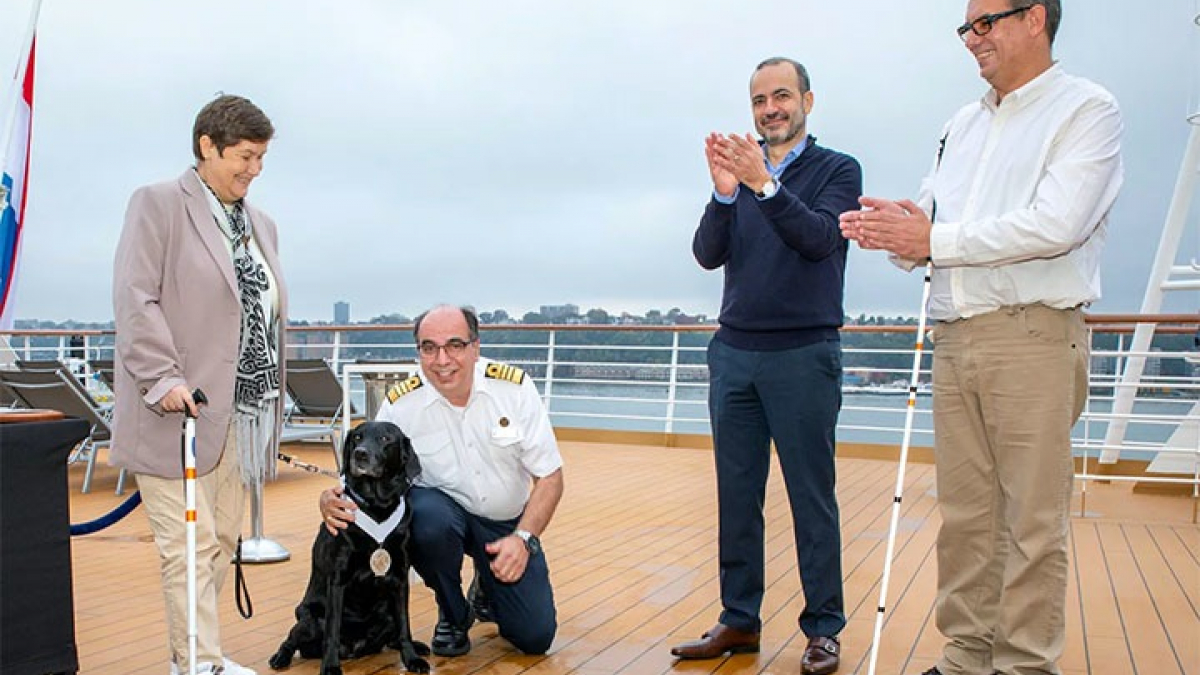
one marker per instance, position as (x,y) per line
(1029,91)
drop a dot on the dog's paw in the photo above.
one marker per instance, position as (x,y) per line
(420,648)
(417,665)
(281,661)
(331,670)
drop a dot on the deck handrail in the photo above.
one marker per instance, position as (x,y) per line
(661,387)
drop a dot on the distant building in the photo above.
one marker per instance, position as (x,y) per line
(559,313)
(341,313)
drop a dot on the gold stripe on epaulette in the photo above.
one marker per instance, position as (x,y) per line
(503,371)
(411,384)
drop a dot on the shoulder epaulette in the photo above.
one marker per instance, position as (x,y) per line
(410,385)
(503,371)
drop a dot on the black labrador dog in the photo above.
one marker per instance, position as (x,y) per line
(357,597)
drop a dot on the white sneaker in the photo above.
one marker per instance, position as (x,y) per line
(229,667)
(202,668)
(232,668)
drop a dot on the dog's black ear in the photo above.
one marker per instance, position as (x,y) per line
(412,465)
(348,446)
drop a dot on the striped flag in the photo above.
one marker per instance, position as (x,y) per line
(13,189)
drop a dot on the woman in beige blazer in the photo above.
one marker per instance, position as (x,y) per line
(199,301)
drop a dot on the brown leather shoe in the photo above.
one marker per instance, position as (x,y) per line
(719,640)
(821,656)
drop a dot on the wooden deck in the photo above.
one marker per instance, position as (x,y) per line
(632,555)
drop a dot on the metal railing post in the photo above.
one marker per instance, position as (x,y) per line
(672,380)
(259,548)
(548,381)
(1087,429)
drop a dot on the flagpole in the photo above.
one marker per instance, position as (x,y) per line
(7,355)
(14,90)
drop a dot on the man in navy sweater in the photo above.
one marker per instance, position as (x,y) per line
(775,363)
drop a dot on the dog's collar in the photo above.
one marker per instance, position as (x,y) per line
(378,531)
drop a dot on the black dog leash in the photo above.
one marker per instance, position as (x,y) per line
(241,592)
(240,589)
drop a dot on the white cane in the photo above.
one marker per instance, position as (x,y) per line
(899,494)
(913,380)
(189,503)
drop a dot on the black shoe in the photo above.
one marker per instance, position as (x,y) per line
(932,671)
(479,602)
(451,640)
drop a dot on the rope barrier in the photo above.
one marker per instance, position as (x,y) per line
(109,518)
(126,507)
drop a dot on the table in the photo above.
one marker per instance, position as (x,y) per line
(37,614)
(401,370)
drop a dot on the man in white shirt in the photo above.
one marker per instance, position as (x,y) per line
(491,478)
(1013,217)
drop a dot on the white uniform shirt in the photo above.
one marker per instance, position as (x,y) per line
(484,455)
(1023,193)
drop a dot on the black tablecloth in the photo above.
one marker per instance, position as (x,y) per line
(37,615)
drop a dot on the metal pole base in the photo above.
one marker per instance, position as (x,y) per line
(263,550)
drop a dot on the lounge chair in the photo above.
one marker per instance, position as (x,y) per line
(9,398)
(52,366)
(59,390)
(316,402)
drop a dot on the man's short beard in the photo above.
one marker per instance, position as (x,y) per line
(793,132)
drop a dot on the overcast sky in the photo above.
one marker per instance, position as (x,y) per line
(517,153)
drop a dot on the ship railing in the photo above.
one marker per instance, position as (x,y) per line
(653,379)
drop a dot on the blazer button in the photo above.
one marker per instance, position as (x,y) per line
(145,391)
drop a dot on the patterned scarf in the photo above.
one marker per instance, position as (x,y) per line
(256,388)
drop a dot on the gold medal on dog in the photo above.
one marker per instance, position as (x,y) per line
(381,562)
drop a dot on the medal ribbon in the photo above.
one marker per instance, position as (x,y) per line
(378,531)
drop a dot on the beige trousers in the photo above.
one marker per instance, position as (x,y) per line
(1007,388)
(220,503)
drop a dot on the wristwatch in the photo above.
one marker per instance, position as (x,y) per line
(532,543)
(768,189)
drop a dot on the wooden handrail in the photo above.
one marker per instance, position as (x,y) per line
(1176,323)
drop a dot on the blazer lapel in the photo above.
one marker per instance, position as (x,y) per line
(196,202)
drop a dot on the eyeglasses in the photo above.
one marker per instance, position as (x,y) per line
(454,347)
(983,25)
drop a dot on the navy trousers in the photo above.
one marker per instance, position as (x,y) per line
(443,533)
(792,397)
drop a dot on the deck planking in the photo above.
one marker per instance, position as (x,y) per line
(632,552)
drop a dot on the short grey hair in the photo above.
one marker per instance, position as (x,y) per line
(801,71)
(1053,13)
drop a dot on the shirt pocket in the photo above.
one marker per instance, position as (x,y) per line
(505,434)
(439,462)
(506,443)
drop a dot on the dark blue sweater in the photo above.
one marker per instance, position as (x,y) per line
(784,257)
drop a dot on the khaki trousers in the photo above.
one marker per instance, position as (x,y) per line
(1007,388)
(220,502)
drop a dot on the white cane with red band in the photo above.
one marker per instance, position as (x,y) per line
(189,516)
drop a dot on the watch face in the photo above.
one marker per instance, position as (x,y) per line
(533,545)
